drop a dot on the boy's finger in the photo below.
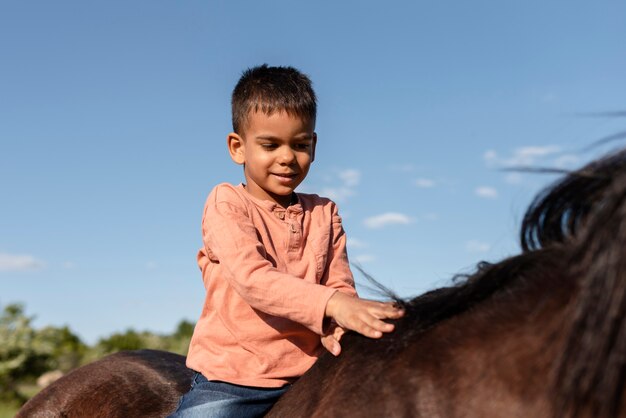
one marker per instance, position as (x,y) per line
(379,325)
(393,308)
(337,334)
(336,349)
(331,345)
(372,330)
(398,313)
(372,333)
(388,313)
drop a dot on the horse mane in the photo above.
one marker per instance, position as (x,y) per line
(558,212)
(575,229)
(591,373)
(586,212)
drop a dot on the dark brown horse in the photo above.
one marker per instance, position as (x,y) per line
(541,334)
(143,383)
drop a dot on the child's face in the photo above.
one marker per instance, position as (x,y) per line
(276,151)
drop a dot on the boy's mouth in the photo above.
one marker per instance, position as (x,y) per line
(285,177)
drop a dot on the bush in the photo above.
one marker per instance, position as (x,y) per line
(20,357)
(26,353)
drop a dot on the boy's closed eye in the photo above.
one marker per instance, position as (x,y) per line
(300,146)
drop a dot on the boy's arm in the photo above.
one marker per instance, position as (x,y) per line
(232,238)
(347,311)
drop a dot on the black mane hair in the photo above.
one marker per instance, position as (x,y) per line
(592,368)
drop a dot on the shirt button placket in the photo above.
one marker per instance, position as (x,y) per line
(295,235)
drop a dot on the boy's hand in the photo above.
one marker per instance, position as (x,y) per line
(361,315)
(331,340)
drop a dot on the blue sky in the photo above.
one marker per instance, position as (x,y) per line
(113,119)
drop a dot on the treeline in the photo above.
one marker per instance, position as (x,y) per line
(27,353)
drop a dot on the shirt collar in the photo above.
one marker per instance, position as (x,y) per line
(269,205)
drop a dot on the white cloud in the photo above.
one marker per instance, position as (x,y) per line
(531,156)
(486,192)
(522,157)
(19,262)
(567,161)
(424,183)
(527,155)
(513,178)
(339,194)
(490,157)
(356,243)
(364,258)
(350,177)
(474,246)
(389,218)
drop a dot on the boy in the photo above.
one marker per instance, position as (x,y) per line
(274,262)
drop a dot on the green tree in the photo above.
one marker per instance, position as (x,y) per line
(178,342)
(129,340)
(184,329)
(26,353)
(64,349)
(19,356)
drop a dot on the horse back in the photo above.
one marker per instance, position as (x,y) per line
(142,383)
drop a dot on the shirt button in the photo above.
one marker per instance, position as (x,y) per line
(281,215)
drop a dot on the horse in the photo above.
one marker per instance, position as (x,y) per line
(140,383)
(539,334)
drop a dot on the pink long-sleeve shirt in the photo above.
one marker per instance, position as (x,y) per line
(268,274)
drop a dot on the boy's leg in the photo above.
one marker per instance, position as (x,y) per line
(223,400)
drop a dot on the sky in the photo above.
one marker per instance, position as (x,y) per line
(114,116)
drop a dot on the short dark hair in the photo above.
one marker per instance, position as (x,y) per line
(271,89)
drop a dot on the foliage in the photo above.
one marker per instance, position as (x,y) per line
(8,410)
(26,353)
(19,356)
(130,340)
(184,330)
(178,342)
(64,349)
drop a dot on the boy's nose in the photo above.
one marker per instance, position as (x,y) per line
(287,156)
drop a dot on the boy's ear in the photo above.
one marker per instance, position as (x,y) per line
(313,146)
(236,148)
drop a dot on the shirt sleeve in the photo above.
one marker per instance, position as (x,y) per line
(230,236)
(338,274)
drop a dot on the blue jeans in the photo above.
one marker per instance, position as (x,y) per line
(212,399)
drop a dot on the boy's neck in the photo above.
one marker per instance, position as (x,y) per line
(293,199)
(281,201)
